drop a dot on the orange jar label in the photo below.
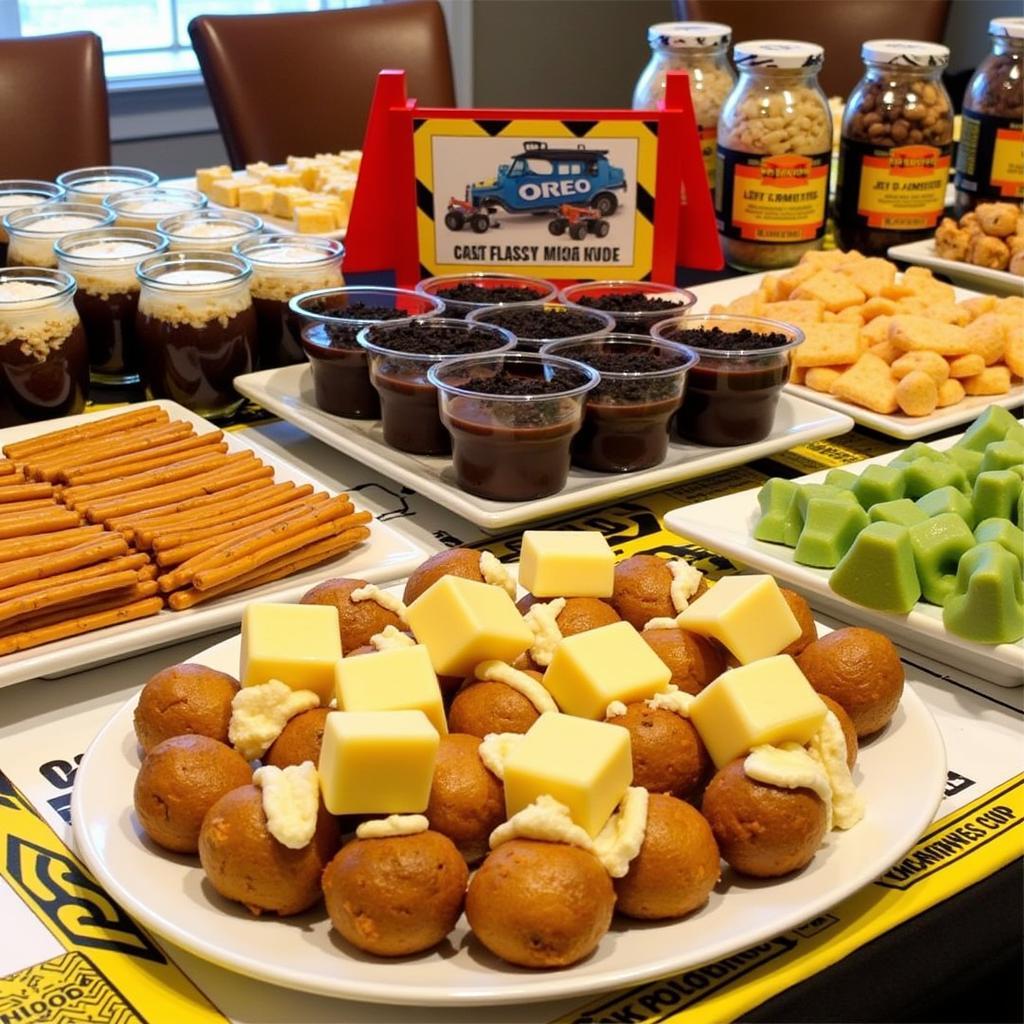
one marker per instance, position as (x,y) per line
(708,137)
(1008,163)
(904,187)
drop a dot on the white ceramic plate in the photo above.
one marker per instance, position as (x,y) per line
(167,894)
(387,555)
(726,524)
(906,428)
(983,279)
(288,392)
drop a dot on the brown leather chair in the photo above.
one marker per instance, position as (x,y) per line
(838,25)
(55,116)
(301,84)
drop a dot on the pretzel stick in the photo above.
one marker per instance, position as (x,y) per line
(20,450)
(25,492)
(138,462)
(314,554)
(30,547)
(135,563)
(106,546)
(82,624)
(7,467)
(38,521)
(18,508)
(66,593)
(100,602)
(191,504)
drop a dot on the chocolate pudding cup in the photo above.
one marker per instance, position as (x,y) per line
(34,231)
(401,354)
(17,194)
(94,184)
(44,365)
(210,230)
(628,416)
(284,266)
(197,328)
(512,418)
(731,395)
(636,306)
(332,319)
(462,294)
(536,323)
(103,264)
(146,207)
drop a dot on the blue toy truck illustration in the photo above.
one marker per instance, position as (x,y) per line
(541,180)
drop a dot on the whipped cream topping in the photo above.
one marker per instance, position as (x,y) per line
(197,276)
(260,713)
(618,843)
(116,249)
(790,766)
(546,819)
(389,602)
(26,291)
(105,186)
(494,750)
(59,224)
(497,574)
(685,581)
(390,638)
(616,709)
(660,622)
(211,229)
(673,699)
(291,799)
(17,200)
(828,748)
(393,825)
(542,618)
(286,254)
(502,672)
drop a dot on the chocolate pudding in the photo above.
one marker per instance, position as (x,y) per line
(17,195)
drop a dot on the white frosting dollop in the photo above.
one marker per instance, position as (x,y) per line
(502,672)
(389,602)
(259,713)
(391,637)
(790,766)
(673,699)
(660,622)
(542,618)
(393,825)
(494,750)
(621,838)
(828,748)
(546,819)
(497,574)
(291,799)
(616,709)
(685,581)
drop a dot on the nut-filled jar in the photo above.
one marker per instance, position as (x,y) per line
(989,165)
(700,48)
(774,150)
(897,138)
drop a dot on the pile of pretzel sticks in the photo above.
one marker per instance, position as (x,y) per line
(116,519)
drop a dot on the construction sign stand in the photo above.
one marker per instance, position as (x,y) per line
(559,194)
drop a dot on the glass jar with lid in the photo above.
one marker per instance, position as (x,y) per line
(774,151)
(34,230)
(700,48)
(989,167)
(16,195)
(146,207)
(897,140)
(44,365)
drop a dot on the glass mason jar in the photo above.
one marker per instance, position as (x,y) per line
(35,230)
(219,230)
(146,207)
(897,140)
(94,184)
(700,48)
(988,159)
(774,151)
(284,266)
(44,366)
(197,328)
(103,263)
(16,195)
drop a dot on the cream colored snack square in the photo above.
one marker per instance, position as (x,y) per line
(871,275)
(923,283)
(206,176)
(821,378)
(566,563)
(834,290)
(256,198)
(884,350)
(929,362)
(969,365)
(314,219)
(286,199)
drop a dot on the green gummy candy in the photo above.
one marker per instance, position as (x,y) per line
(777,499)
(987,604)
(994,424)
(902,512)
(996,494)
(830,527)
(1001,531)
(948,499)
(879,483)
(923,475)
(919,450)
(1002,455)
(878,571)
(939,543)
(968,460)
(1015,432)
(841,478)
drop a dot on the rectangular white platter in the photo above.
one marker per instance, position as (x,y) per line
(906,428)
(726,525)
(387,555)
(288,392)
(967,275)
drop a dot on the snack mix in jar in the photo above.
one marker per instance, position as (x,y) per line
(774,150)
(700,48)
(897,138)
(989,167)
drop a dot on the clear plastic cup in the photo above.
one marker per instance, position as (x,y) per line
(219,230)
(331,319)
(628,416)
(625,302)
(531,336)
(94,184)
(512,417)
(408,400)
(732,393)
(449,285)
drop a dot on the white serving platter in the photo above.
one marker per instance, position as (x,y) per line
(726,524)
(387,555)
(967,275)
(167,894)
(898,425)
(288,392)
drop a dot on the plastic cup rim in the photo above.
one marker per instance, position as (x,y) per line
(374,349)
(593,377)
(690,356)
(329,318)
(738,318)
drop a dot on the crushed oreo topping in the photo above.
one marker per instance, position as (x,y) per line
(420,338)
(628,302)
(727,341)
(479,294)
(506,382)
(533,323)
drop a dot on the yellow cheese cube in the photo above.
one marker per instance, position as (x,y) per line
(589,670)
(748,614)
(299,644)
(224,191)
(206,176)
(286,199)
(566,563)
(377,762)
(256,198)
(401,679)
(463,622)
(259,170)
(768,701)
(313,219)
(585,765)
(282,178)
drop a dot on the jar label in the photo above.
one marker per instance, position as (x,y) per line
(708,137)
(771,199)
(902,188)
(990,159)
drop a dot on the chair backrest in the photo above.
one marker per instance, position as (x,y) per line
(54,116)
(838,25)
(299,84)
